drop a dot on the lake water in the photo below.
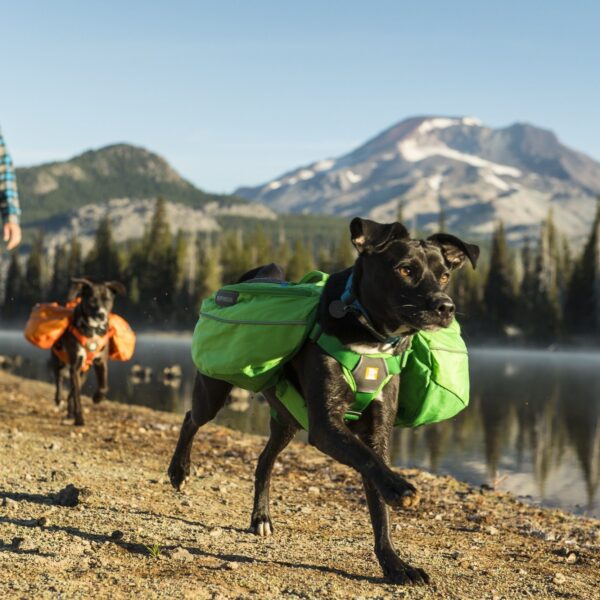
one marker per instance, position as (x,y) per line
(533,425)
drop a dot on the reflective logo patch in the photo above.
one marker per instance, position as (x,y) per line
(372,373)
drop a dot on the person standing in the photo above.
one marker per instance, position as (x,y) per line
(9,199)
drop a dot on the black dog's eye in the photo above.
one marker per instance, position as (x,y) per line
(444,278)
(405,271)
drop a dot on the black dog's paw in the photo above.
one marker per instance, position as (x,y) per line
(398,571)
(407,575)
(79,421)
(98,397)
(261,525)
(178,474)
(401,494)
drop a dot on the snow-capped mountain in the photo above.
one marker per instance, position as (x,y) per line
(475,174)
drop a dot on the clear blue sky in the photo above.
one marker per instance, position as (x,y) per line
(235,93)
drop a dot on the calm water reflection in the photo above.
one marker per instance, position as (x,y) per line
(533,426)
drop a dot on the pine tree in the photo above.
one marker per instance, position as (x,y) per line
(565,269)
(74,262)
(465,290)
(344,254)
(300,263)
(59,285)
(31,291)
(12,288)
(283,252)
(261,247)
(545,309)
(102,263)
(208,274)
(442,219)
(156,272)
(582,309)
(235,258)
(527,287)
(400,211)
(498,292)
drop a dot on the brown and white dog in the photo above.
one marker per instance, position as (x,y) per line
(86,342)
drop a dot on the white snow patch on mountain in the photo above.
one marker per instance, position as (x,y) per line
(324,165)
(414,151)
(353,177)
(495,181)
(444,122)
(435,181)
(305,174)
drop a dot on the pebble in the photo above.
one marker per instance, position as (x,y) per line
(314,490)
(493,530)
(216,532)
(117,535)
(559,578)
(57,474)
(68,496)
(572,558)
(230,566)
(182,554)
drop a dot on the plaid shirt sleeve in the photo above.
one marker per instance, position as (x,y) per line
(9,197)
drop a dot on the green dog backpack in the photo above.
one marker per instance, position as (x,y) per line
(435,379)
(247,332)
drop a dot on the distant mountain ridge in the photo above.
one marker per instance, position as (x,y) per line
(475,174)
(99,176)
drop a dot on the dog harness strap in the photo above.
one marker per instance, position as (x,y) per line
(92,345)
(365,374)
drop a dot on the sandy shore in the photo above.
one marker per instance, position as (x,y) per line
(124,533)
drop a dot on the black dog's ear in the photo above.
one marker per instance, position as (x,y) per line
(369,236)
(116,287)
(455,251)
(77,286)
(81,281)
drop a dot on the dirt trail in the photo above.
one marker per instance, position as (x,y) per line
(130,535)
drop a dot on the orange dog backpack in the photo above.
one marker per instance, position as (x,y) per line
(122,341)
(47,323)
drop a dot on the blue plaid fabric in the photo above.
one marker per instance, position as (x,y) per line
(9,196)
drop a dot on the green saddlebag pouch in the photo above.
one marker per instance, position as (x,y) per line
(247,331)
(434,383)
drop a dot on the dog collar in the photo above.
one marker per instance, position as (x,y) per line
(349,302)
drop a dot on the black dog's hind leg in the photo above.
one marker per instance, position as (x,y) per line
(101,370)
(58,370)
(281,435)
(207,400)
(377,436)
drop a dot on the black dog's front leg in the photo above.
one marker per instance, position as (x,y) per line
(376,433)
(101,369)
(75,396)
(331,435)
(281,435)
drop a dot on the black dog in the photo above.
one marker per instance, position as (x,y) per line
(85,343)
(400,282)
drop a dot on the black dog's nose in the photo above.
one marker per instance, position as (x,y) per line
(443,305)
